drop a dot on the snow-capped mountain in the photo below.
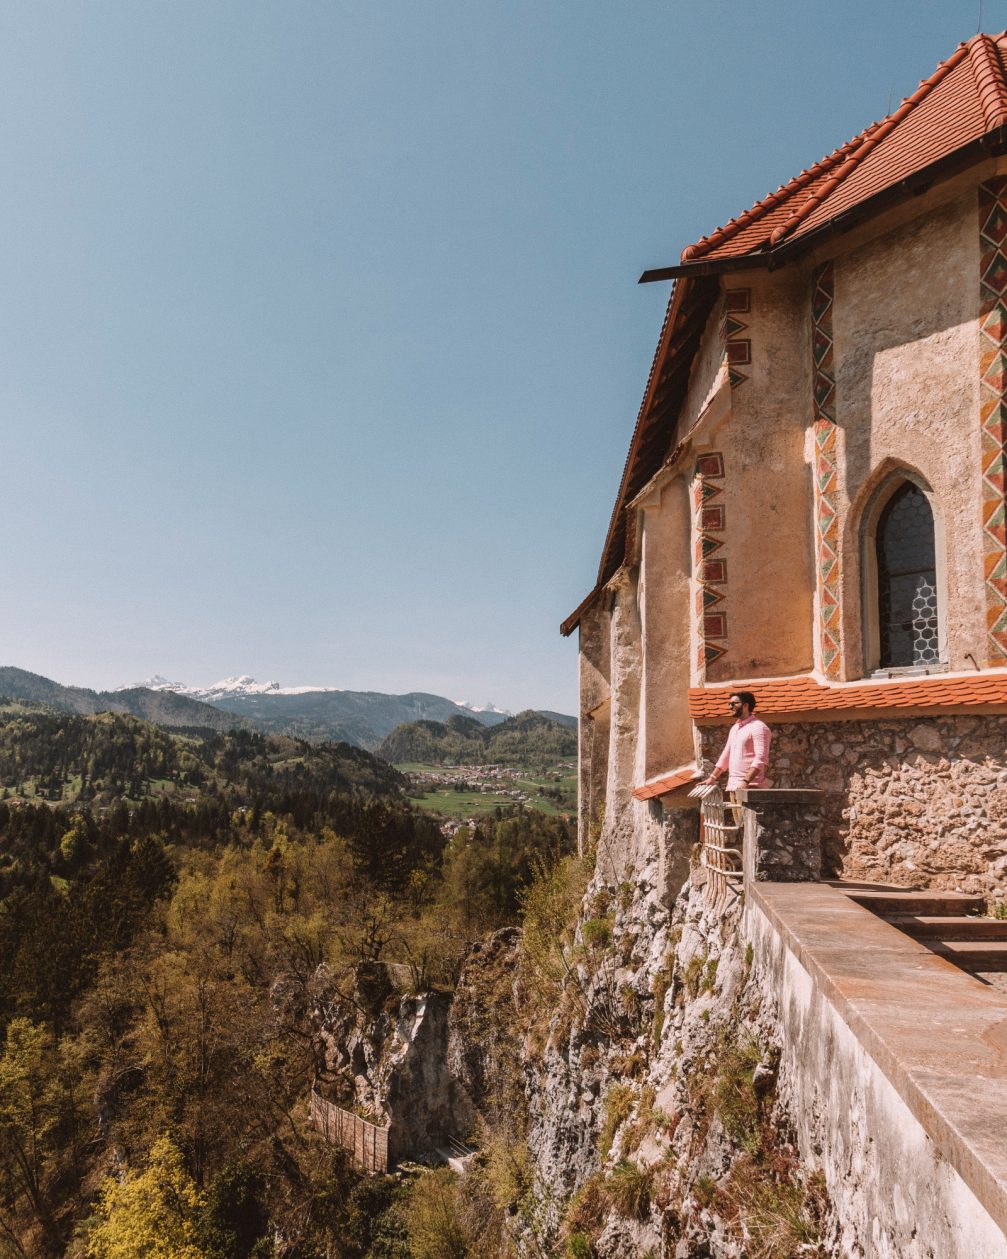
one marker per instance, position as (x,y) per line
(484,708)
(324,712)
(227,688)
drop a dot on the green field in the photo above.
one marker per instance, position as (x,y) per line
(458,803)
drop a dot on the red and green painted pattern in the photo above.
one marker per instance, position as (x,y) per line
(993,409)
(830,630)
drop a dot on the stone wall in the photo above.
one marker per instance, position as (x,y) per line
(782,835)
(914,801)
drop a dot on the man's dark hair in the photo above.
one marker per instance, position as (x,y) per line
(746,697)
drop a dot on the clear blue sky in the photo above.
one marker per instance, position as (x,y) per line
(320,342)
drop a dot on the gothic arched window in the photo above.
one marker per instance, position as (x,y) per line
(908,622)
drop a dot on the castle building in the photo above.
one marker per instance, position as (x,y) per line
(813,507)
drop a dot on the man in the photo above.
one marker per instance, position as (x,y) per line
(746,753)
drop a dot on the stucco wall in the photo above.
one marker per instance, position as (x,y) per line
(905,322)
(593,743)
(770,581)
(922,801)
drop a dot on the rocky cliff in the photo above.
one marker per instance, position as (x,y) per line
(632,1079)
(658,1122)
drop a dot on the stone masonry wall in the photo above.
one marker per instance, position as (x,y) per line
(917,801)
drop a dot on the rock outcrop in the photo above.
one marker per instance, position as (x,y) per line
(384,1056)
(657,1122)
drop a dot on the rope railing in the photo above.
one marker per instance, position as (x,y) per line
(720,851)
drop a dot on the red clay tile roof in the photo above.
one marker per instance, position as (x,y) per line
(661,786)
(784,697)
(965,97)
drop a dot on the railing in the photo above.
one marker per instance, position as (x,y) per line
(720,853)
(366,1141)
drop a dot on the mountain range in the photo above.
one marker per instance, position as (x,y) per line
(363,718)
(244,686)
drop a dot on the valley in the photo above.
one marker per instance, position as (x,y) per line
(466,792)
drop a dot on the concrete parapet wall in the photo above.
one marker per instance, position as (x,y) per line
(893,1071)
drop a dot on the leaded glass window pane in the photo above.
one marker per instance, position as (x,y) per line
(907,580)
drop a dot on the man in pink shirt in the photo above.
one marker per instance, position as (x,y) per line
(746,753)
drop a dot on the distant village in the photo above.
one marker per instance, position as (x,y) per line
(508,785)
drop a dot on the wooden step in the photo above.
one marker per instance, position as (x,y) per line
(936,903)
(941,927)
(985,955)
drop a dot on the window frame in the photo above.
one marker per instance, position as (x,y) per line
(870,517)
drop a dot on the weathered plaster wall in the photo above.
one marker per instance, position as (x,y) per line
(917,801)
(770,581)
(595,708)
(631,829)
(707,376)
(905,323)
(666,601)
(891,1192)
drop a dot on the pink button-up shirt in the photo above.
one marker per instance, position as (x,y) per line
(747,748)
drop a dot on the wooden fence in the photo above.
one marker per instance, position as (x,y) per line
(367,1142)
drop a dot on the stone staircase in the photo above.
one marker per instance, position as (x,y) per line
(947,923)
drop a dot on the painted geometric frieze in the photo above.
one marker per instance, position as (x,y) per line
(830,641)
(710,561)
(993,409)
(737,346)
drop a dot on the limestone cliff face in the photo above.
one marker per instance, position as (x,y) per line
(657,1123)
(384,1055)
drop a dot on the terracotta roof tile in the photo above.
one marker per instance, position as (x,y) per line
(965,97)
(669,782)
(780,697)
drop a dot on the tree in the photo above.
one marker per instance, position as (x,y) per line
(154,1212)
(29,1116)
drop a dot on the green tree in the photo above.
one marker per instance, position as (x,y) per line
(154,1212)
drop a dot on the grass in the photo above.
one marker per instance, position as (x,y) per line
(618,1105)
(597,933)
(782,1217)
(629,1190)
(462,804)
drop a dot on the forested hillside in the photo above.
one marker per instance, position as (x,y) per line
(159,925)
(60,757)
(528,739)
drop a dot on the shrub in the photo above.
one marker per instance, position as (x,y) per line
(579,1246)
(597,933)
